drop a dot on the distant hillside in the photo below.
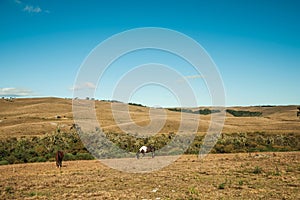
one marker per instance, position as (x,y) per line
(38,116)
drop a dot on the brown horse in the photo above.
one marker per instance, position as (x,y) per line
(59,157)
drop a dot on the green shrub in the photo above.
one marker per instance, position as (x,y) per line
(136,104)
(11,159)
(49,156)
(9,190)
(4,162)
(84,156)
(219,148)
(221,186)
(69,156)
(38,159)
(43,148)
(205,111)
(241,182)
(257,170)
(41,159)
(243,113)
(229,148)
(193,191)
(175,151)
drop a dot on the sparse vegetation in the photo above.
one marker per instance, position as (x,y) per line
(205,111)
(193,191)
(221,186)
(241,182)
(9,190)
(243,113)
(257,170)
(219,176)
(41,149)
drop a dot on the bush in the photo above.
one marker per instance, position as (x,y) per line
(219,148)
(136,104)
(11,159)
(4,162)
(243,113)
(38,159)
(257,170)
(69,156)
(175,151)
(229,148)
(221,186)
(84,156)
(205,111)
(43,148)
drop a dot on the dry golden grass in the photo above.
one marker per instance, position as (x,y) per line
(37,116)
(226,176)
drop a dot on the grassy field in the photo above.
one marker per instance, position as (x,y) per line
(38,116)
(31,130)
(217,176)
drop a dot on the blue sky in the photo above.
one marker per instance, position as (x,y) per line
(255,45)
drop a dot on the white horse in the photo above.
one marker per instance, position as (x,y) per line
(145,149)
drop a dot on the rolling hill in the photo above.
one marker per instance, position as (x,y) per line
(38,116)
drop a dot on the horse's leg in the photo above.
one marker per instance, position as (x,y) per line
(57,164)
(153,154)
(138,155)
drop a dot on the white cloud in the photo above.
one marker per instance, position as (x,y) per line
(32,9)
(86,85)
(90,85)
(15,92)
(18,1)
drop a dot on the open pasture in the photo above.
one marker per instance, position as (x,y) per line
(217,176)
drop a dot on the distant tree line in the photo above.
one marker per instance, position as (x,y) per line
(205,111)
(136,104)
(243,113)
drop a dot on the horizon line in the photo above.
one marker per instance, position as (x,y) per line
(144,105)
